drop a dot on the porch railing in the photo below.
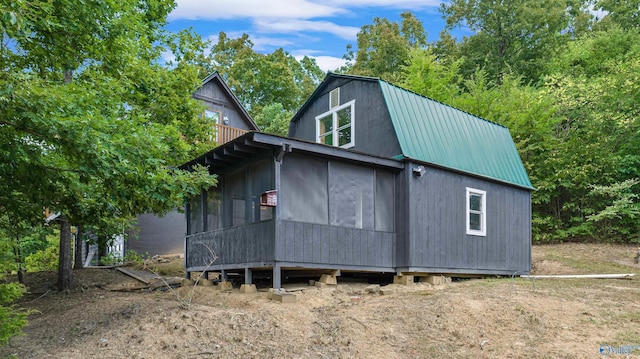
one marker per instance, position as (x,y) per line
(225,133)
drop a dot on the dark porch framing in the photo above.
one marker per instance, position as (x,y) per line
(253,248)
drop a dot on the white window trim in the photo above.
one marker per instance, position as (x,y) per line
(334,113)
(215,120)
(483,212)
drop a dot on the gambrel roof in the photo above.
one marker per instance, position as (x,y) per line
(435,133)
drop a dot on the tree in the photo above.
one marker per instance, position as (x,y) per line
(384,47)
(512,36)
(427,75)
(274,119)
(595,86)
(625,14)
(94,125)
(262,80)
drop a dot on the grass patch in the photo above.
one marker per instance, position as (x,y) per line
(590,258)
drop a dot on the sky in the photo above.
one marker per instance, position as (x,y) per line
(317,28)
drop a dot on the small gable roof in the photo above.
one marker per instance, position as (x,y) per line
(216,76)
(434,133)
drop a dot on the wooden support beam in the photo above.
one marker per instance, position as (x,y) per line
(581,276)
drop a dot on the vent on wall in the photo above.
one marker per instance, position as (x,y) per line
(334,98)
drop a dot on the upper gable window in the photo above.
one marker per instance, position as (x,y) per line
(476,212)
(335,127)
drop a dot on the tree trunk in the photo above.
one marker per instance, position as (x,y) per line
(17,253)
(65,274)
(79,259)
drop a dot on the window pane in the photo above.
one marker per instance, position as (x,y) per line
(238,212)
(327,139)
(234,209)
(260,180)
(326,124)
(344,136)
(212,115)
(474,222)
(385,201)
(344,116)
(351,196)
(196,222)
(475,202)
(303,195)
(214,209)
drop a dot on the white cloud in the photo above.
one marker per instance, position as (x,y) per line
(260,43)
(325,63)
(293,26)
(263,43)
(396,4)
(272,9)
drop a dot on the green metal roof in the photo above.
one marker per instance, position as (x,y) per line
(439,134)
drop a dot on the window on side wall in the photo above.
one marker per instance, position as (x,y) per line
(476,212)
(335,127)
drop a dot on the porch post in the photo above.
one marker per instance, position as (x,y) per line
(248,276)
(277,280)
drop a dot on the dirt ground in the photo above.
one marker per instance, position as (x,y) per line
(475,318)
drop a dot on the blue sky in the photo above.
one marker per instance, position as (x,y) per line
(317,28)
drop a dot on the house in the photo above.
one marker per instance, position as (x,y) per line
(165,235)
(372,178)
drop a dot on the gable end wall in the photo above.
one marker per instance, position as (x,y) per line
(374,133)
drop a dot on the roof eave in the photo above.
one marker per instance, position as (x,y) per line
(472,174)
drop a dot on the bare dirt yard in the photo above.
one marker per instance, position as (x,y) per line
(474,318)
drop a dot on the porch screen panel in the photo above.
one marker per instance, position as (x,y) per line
(234,208)
(214,208)
(385,195)
(196,215)
(351,196)
(261,177)
(303,193)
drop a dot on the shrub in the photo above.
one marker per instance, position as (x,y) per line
(12,318)
(46,260)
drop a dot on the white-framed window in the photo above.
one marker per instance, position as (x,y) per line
(335,127)
(214,117)
(476,212)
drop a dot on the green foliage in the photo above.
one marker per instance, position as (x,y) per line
(617,221)
(260,80)
(44,260)
(429,76)
(384,47)
(619,13)
(111,259)
(12,318)
(512,36)
(274,119)
(134,257)
(92,125)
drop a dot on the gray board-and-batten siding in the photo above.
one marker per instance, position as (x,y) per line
(428,233)
(435,229)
